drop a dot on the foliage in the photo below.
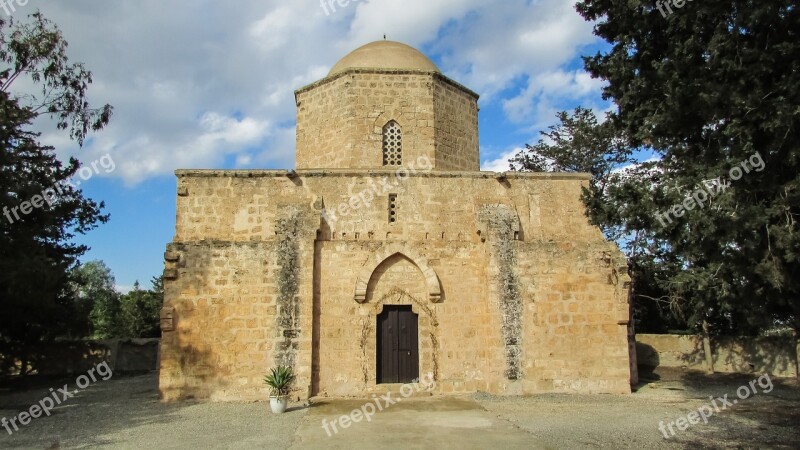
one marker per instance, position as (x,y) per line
(36,252)
(38,51)
(140,315)
(502,222)
(287,279)
(114,315)
(95,287)
(705,89)
(280,380)
(580,143)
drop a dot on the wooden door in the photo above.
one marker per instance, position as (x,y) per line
(398,345)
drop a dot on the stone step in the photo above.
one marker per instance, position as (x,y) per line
(413,390)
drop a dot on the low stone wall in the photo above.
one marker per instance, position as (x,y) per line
(67,358)
(777,356)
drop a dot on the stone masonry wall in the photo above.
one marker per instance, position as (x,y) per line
(456,127)
(775,355)
(340,120)
(562,327)
(575,319)
(325,131)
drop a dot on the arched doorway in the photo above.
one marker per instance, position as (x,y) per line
(397,292)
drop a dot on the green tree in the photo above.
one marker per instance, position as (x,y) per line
(37,51)
(36,250)
(708,88)
(141,311)
(615,199)
(95,288)
(579,143)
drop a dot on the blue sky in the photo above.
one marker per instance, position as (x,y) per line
(202,84)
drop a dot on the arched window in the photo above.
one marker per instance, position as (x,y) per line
(392,144)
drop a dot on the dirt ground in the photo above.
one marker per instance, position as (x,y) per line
(124,412)
(762,420)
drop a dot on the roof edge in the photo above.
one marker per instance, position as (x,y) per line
(270,173)
(358,70)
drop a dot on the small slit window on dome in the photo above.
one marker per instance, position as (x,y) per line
(392,144)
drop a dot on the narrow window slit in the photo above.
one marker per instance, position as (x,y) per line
(392,208)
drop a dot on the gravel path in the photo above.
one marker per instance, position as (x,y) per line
(125,413)
(763,420)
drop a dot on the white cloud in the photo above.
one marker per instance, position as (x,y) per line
(505,41)
(546,94)
(413,22)
(214,137)
(500,164)
(123,288)
(197,83)
(271,31)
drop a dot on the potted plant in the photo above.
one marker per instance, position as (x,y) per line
(279,381)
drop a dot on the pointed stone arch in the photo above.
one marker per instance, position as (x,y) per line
(395,115)
(365,274)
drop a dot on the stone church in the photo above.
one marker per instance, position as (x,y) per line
(388,255)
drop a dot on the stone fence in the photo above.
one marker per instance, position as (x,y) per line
(73,357)
(777,356)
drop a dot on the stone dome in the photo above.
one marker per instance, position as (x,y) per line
(385,55)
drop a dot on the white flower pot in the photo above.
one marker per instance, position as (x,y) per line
(278,404)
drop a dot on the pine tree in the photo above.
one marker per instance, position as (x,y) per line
(40,210)
(712,89)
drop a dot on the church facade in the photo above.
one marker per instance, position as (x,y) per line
(386,255)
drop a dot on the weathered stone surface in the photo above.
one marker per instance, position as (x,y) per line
(340,120)
(570,296)
(773,355)
(515,291)
(60,358)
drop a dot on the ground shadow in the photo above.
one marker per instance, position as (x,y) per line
(760,401)
(648,360)
(104,407)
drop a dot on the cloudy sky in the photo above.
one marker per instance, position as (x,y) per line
(202,84)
